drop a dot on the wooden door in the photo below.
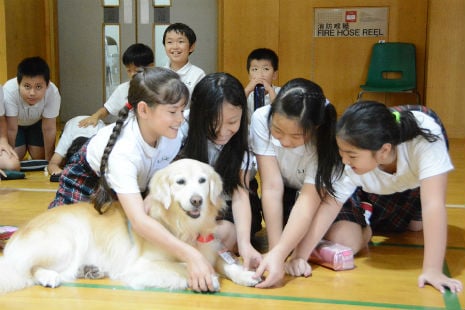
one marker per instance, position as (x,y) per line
(27,28)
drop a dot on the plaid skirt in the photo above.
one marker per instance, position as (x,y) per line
(78,181)
(391,213)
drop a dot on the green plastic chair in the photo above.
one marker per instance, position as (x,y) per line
(392,70)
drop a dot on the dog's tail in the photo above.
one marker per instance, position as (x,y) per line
(11,279)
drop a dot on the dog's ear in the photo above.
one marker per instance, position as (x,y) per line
(216,187)
(160,189)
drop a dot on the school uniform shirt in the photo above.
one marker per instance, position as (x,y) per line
(15,106)
(72,131)
(297,165)
(190,75)
(417,159)
(118,99)
(132,161)
(250,100)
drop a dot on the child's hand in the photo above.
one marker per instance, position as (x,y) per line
(53,169)
(251,257)
(298,267)
(250,86)
(91,120)
(274,265)
(440,281)
(201,274)
(9,150)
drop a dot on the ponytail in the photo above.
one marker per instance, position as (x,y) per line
(370,124)
(330,164)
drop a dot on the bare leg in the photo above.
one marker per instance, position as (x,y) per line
(21,151)
(415,225)
(36,152)
(349,234)
(226,232)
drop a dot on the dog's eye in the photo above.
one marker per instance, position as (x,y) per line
(181,181)
(202,180)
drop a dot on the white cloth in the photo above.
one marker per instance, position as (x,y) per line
(250,100)
(190,75)
(118,99)
(72,131)
(417,160)
(132,161)
(15,106)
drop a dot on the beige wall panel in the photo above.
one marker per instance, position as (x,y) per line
(3,62)
(28,29)
(445,88)
(340,65)
(243,26)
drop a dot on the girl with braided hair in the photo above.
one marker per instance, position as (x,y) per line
(118,162)
(294,140)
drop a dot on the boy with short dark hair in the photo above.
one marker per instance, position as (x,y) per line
(32,104)
(179,42)
(262,66)
(136,56)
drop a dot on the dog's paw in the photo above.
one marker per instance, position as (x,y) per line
(239,275)
(90,272)
(47,278)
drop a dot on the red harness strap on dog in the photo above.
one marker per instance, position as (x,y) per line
(205,239)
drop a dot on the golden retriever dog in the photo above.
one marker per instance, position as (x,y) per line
(74,241)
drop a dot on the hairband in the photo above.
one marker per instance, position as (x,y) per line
(128,105)
(397,116)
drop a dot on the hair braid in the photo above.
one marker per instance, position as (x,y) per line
(103,196)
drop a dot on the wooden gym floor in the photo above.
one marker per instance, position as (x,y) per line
(384,278)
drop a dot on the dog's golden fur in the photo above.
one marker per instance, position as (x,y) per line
(75,240)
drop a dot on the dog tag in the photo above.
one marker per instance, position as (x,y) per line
(227,256)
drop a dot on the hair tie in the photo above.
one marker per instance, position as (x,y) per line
(397,116)
(128,105)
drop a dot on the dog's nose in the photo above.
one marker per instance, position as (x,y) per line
(196,200)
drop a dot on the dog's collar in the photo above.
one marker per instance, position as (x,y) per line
(205,239)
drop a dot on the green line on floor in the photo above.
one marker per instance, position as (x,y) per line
(261,296)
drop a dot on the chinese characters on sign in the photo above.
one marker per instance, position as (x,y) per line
(351,22)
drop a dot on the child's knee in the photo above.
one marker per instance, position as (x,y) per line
(415,225)
(349,234)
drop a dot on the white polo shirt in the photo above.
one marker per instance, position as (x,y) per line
(132,161)
(15,106)
(417,159)
(118,99)
(72,131)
